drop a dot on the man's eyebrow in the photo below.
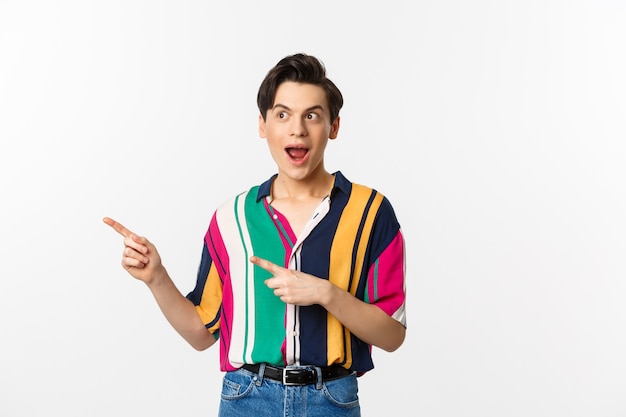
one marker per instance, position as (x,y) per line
(282,106)
(315,107)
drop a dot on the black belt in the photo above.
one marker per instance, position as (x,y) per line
(299,375)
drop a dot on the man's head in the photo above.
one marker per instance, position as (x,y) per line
(300,68)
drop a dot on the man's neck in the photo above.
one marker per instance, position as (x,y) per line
(318,187)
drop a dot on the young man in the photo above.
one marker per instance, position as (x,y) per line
(299,276)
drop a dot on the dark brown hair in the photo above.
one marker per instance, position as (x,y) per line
(301,68)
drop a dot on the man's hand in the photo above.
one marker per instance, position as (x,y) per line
(294,287)
(366,321)
(140,257)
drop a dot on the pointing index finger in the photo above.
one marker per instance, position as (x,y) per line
(265,264)
(118,227)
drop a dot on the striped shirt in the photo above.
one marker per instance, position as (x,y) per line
(353,239)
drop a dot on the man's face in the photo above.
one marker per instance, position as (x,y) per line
(297,128)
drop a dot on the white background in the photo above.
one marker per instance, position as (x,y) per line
(496,129)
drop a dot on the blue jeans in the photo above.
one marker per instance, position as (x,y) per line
(246,394)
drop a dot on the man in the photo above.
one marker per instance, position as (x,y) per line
(300,276)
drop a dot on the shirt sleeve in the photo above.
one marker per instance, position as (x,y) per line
(386,285)
(207,294)
(386,280)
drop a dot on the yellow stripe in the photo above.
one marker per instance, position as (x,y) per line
(341,263)
(211,299)
(365,234)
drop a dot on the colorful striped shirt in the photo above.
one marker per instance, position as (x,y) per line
(353,239)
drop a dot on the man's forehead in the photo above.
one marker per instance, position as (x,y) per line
(293,95)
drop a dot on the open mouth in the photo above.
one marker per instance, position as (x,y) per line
(297,154)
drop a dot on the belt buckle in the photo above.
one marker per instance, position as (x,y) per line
(298,373)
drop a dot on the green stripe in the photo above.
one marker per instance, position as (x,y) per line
(376,280)
(266,244)
(366,296)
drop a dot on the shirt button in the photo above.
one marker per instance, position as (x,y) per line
(275,216)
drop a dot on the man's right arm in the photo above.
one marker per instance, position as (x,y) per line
(142,261)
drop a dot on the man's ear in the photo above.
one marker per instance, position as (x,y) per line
(262,127)
(334,129)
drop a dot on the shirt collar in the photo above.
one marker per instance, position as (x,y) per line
(341,184)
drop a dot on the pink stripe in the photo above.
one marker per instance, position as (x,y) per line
(390,272)
(218,252)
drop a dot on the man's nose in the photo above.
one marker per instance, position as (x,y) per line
(298,127)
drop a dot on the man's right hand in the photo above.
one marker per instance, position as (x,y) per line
(140,257)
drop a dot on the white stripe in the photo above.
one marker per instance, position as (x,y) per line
(400,314)
(238,263)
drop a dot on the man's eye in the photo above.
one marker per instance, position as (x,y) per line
(282,115)
(312,116)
